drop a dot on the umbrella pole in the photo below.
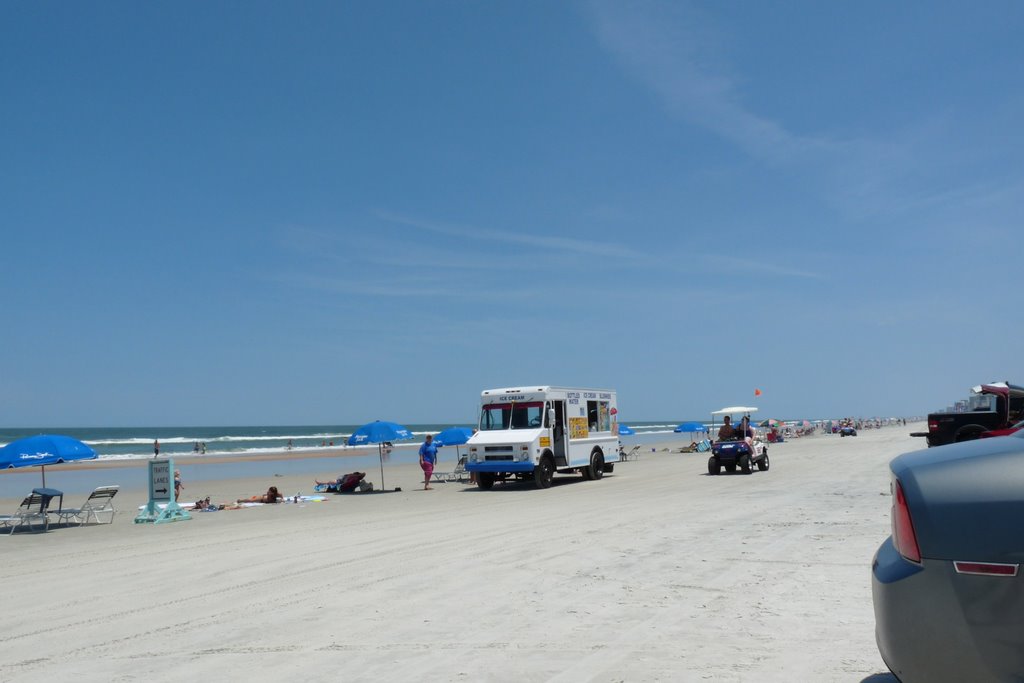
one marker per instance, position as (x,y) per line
(44,476)
(380,455)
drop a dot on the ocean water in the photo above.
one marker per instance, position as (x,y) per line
(134,443)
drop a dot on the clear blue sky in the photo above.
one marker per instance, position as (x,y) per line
(331,212)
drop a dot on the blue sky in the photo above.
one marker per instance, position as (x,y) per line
(278,213)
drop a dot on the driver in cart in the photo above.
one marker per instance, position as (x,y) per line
(726,432)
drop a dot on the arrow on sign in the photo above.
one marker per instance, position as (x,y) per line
(160,490)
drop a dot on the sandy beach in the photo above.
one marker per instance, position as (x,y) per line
(658,572)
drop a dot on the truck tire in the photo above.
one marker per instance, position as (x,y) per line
(968,433)
(714,467)
(762,464)
(544,473)
(485,480)
(745,463)
(596,469)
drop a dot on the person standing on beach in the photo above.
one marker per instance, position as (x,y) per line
(178,486)
(156,448)
(428,458)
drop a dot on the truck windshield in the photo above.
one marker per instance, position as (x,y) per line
(512,416)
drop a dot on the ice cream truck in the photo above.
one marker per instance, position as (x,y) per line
(532,432)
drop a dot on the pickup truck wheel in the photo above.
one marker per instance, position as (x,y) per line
(745,464)
(485,480)
(713,466)
(596,469)
(968,433)
(762,464)
(544,473)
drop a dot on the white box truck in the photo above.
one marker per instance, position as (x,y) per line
(532,432)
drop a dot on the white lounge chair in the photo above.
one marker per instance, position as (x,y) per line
(458,474)
(30,511)
(100,501)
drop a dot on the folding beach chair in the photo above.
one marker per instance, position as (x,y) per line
(100,501)
(459,473)
(32,510)
(632,454)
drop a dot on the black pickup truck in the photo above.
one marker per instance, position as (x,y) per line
(990,406)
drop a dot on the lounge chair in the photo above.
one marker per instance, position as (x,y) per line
(459,473)
(348,483)
(100,501)
(31,510)
(632,454)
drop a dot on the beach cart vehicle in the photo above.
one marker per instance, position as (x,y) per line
(742,451)
(530,433)
(847,430)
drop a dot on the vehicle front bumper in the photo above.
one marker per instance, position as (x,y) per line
(498,466)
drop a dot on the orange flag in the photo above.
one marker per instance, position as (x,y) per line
(757,392)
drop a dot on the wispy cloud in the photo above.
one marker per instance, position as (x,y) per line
(518,237)
(677,50)
(733,263)
(673,50)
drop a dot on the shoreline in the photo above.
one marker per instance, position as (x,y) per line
(212,459)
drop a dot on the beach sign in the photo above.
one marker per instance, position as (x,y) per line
(161,507)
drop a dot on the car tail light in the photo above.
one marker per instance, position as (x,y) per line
(903,535)
(985,568)
(933,425)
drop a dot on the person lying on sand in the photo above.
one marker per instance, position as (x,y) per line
(271,496)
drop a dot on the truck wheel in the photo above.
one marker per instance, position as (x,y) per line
(714,467)
(544,473)
(745,463)
(485,480)
(596,469)
(762,464)
(968,433)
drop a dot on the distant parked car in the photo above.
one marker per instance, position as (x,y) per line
(947,589)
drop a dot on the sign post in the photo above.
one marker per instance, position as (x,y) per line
(161,507)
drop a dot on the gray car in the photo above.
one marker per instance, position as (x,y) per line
(947,587)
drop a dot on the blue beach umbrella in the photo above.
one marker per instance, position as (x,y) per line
(378,432)
(43,450)
(454,436)
(625,431)
(690,427)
